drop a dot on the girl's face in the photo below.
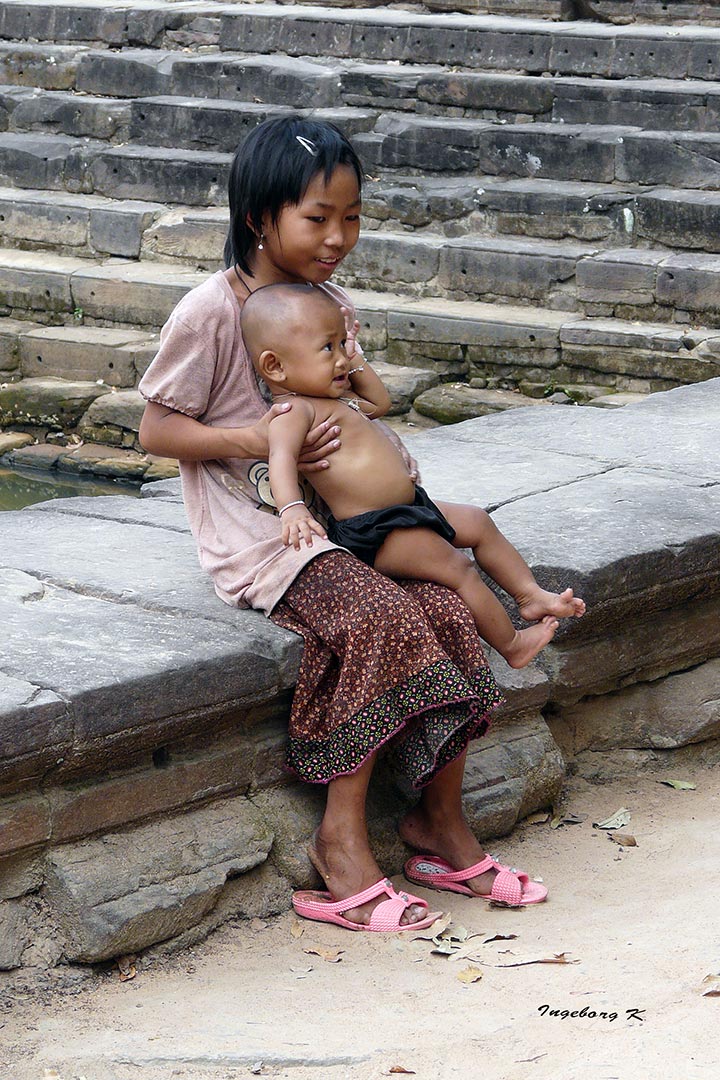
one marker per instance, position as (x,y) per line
(311,239)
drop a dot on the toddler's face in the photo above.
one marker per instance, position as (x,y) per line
(315,362)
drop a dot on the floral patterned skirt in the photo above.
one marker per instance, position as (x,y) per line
(382,661)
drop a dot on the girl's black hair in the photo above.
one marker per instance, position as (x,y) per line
(272,168)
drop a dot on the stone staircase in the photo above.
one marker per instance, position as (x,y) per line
(541,211)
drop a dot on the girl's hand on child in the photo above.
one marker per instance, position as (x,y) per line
(297,525)
(319,442)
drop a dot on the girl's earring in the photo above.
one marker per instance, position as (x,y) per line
(261,246)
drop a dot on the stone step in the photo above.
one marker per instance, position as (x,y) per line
(64,112)
(74,224)
(52,67)
(604,215)
(492,345)
(485,42)
(654,104)
(673,13)
(398,144)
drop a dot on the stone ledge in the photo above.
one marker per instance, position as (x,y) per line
(154,699)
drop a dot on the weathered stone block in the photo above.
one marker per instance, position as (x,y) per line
(451,403)
(483,91)
(24,823)
(10,329)
(52,67)
(619,276)
(135,293)
(562,152)
(674,711)
(80,352)
(179,122)
(671,641)
(20,874)
(508,267)
(575,53)
(118,230)
(123,410)
(115,896)
(152,174)
(380,85)
(557,209)
(36,727)
(439,145)
(682,219)
(690,282)
(404,384)
(54,403)
(66,113)
(653,104)
(43,219)
(286,80)
(673,159)
(14,934)
(130,73)
(380,257)
(418,201)
(32,161)
(510,774)
(197,235)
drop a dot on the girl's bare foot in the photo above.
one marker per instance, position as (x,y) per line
(529,642)
(347,867)
(454,842)
(533,606)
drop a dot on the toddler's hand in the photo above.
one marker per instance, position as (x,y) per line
(298,524)
(352,328)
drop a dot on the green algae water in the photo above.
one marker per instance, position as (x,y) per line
(23,487)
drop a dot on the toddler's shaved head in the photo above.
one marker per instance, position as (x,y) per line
(274,315)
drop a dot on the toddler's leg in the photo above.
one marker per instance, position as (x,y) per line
(423,554)
(504,564)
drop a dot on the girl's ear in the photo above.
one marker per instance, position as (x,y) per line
(270,366)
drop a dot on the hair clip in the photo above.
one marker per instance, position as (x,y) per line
(307,145)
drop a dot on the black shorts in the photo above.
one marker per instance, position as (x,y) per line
(365,534)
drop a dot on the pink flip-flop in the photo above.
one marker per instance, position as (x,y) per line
(385,918)
(510,887)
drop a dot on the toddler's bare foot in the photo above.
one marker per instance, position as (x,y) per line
(540,602)
(347,869)
(527,643)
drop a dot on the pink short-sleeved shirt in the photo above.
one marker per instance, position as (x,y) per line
(203,370)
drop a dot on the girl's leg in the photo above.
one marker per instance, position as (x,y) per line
(504,564)
(340,851)
(437,825)
(424,555)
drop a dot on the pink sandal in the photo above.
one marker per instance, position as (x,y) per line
(510,887)
(385,918)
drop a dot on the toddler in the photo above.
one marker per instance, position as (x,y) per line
(299,343)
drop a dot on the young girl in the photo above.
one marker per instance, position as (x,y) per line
(379,660)
(297,339)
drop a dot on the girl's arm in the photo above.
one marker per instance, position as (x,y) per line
(287,434)
(169,433)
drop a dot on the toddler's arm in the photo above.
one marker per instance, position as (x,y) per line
(286,436)
(363,379)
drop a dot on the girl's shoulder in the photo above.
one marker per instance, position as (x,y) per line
(207,305)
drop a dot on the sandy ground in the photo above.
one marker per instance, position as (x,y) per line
(639,923)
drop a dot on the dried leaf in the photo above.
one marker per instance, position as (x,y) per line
(444,948)
(500,937)
(558,958)
(567,819)
(437,928)
(126,967)
(258,924)
(331,956)
(536,819)
(623,839)
(297,929)
(618,820)
(712,983)
(470,975)
(679,785)
(403,1070)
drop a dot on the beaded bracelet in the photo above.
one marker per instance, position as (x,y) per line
(353,370)
(298,502)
